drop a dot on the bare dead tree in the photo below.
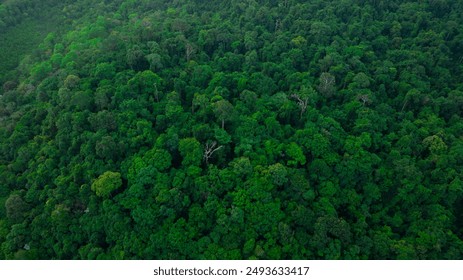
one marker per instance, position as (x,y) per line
(189,51)
(277,25)
(327,84)
(156,93)
(365,99)
(209,150)
(302,102)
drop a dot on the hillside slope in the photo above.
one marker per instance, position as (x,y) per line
(236,130)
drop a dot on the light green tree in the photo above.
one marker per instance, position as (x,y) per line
(107,183)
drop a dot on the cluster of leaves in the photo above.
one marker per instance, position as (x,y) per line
(237,130)
(23,25)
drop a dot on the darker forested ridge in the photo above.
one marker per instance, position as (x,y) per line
(279,129)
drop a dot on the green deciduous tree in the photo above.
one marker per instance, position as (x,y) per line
(107,183)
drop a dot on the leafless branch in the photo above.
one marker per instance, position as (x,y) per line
(189,51)
(301,102)
(210,149)
(156,93)
(365,99)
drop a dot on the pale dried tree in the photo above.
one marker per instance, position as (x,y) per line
(365,98)
(210,149)
(327,84)
(189,51)
(278,24)
(156,92)
(302,102)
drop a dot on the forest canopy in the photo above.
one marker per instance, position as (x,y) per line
(259,129)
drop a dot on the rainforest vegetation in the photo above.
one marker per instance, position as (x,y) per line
(233,129)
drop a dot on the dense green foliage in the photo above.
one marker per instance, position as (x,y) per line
(260,129)
(23,25)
